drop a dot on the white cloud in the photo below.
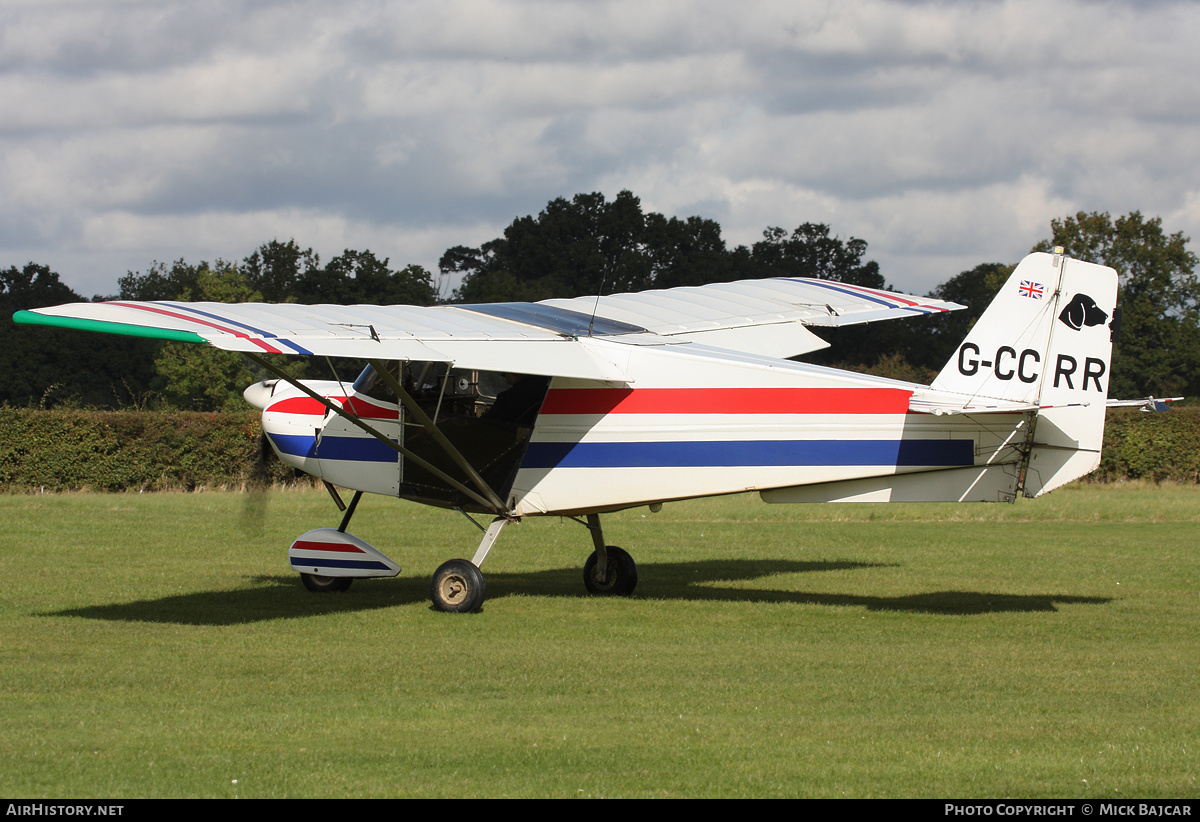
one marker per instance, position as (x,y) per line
(943,134)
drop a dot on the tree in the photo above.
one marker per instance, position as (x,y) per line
(283,272)
(160,282)
(941,334)
(275,268)
(33,286)
(692,252)
(200,377)
(51,365)
(811,252)
(1158,352)
(588,245)
(355,277)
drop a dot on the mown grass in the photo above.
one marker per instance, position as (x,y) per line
(156,645)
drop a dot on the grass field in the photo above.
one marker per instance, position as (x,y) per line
(158,646)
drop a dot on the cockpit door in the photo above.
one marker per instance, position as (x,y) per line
(352,458)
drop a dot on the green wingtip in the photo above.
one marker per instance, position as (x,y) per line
(76,324)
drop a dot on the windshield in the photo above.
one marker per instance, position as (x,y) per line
(469,392)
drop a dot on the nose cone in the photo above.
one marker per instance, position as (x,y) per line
(260,393)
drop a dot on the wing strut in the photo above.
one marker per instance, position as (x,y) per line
(490,505)
(497,504)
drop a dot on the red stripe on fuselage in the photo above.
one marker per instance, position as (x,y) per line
(357,406)
(726,401)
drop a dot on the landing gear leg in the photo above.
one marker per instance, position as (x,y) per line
(609,571)
(350,511)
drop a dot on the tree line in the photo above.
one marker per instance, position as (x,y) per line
(583,246)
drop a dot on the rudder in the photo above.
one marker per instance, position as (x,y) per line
(1045,340)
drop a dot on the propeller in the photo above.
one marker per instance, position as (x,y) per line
(258,483)
(259,478)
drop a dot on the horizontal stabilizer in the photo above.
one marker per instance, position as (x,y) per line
(1146,403)
(983,406)
(918,405)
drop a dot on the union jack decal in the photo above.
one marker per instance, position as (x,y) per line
(1028,288)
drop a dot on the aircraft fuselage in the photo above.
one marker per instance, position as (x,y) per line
(701,424)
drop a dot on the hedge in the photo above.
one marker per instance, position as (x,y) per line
(1158,447)
(68,450)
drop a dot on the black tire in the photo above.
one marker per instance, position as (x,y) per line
(457,587)
(326,585)
(620,576)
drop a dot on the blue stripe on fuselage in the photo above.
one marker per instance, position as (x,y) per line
(749,453)
(353,449)
(905,452)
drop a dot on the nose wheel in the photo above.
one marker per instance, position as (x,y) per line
(325,585)
(458,587)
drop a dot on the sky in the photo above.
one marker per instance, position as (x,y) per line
(945,134)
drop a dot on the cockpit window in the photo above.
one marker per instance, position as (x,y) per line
(490,384)
(460,391)
(370,384)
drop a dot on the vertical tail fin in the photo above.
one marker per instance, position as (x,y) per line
(1045,340)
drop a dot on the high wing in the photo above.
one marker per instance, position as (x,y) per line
(397,332)
(567,338)
(755,302)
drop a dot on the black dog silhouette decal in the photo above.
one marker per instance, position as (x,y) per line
(1082,311)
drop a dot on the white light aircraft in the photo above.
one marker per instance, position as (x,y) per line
(579,407)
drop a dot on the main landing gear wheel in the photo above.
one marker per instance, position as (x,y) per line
(457,587)
(620,577)
(326,585)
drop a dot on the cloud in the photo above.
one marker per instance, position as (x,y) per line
(943,134)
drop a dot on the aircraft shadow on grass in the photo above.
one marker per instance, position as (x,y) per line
(282,597)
